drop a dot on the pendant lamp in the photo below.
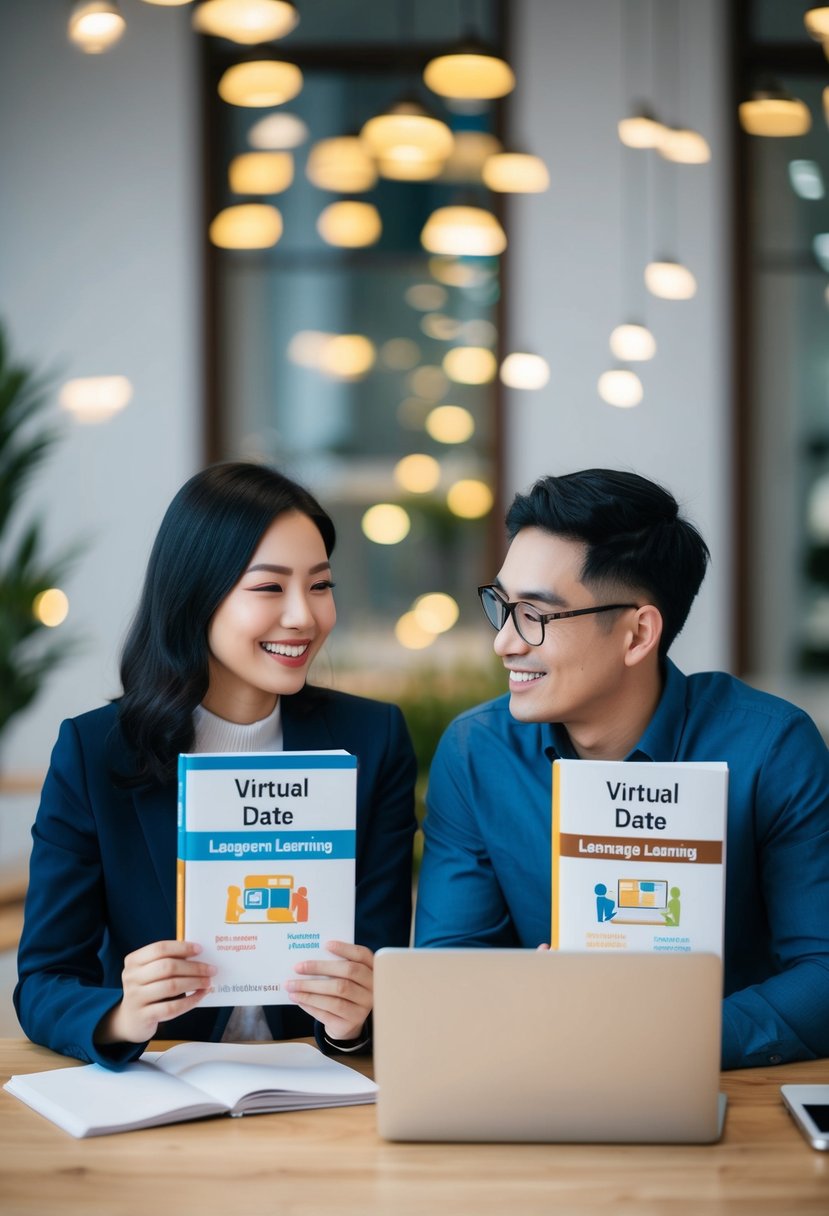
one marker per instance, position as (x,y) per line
(95,25)
(246,21)
(469,73)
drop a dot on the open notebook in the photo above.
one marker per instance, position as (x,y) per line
(191,1081)
(521,1045)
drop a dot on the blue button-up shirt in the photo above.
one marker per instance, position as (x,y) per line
(486,874)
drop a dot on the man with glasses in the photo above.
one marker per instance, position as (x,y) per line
(598,580)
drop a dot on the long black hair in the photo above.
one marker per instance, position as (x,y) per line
(206,540)
(635,537)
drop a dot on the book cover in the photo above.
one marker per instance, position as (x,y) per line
(638,856)
(265,872)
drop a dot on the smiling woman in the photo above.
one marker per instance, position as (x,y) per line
(272,625)
(237,603)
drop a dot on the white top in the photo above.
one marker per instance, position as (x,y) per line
(247,1023)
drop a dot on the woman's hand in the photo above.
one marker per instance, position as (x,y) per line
(160,981)
(342,995)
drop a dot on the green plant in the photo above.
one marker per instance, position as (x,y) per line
(29,650)
(430,699)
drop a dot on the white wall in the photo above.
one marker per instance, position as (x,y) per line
(566,288)
(99,274)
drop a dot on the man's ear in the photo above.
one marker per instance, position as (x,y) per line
(645,634)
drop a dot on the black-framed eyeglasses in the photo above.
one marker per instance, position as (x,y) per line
(528,621)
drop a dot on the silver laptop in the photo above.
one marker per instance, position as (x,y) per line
(517,1045)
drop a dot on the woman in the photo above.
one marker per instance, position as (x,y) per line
(237,602)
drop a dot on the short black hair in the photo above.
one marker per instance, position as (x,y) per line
(206,539)
(633,532)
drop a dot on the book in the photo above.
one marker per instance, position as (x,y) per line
(638,856)
(265,871)
(191,1081)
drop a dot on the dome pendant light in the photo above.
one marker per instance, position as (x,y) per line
(246,21)
(632,343)
(463,232)
(772,112)
(260,83)
(515,173)
(670,280)
(641,130)
(95,25)
(621,388)
(407,128)
(470,72)
(816,21)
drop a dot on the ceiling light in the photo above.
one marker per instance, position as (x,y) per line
(440,327)
(350,225)
(621,388)
(632,343)
(670,280)
(436,611)
(51,607)
(450,424)
(347,356)
(306,346)
(411,634)
(246,21)
(399,354)
(684,146)
(95,25)
(469,499)
(640,130)
(262,82)
(386,523)
(521,370)
(464,231)
(426,297)
(418,473)
(407,127)
(95,398)
(168,3)
(470,364)
(773,113)
(429,382)
(409,165)
(455,273)
(278,131)
(341,165)
(816,21)
(806,179)
(247,226)
(469,73)
(516,173)
(261,172)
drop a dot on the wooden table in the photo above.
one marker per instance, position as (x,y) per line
(333,1161)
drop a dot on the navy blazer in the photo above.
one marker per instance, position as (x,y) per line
(102,877)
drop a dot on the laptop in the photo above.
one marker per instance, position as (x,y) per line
(518,1045)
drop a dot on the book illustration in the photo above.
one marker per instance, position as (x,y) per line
(267,899)
(639,901)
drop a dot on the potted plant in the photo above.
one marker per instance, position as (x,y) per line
(29,649)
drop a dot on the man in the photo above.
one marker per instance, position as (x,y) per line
(598,580)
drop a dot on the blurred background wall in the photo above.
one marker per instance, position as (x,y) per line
(101,255)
